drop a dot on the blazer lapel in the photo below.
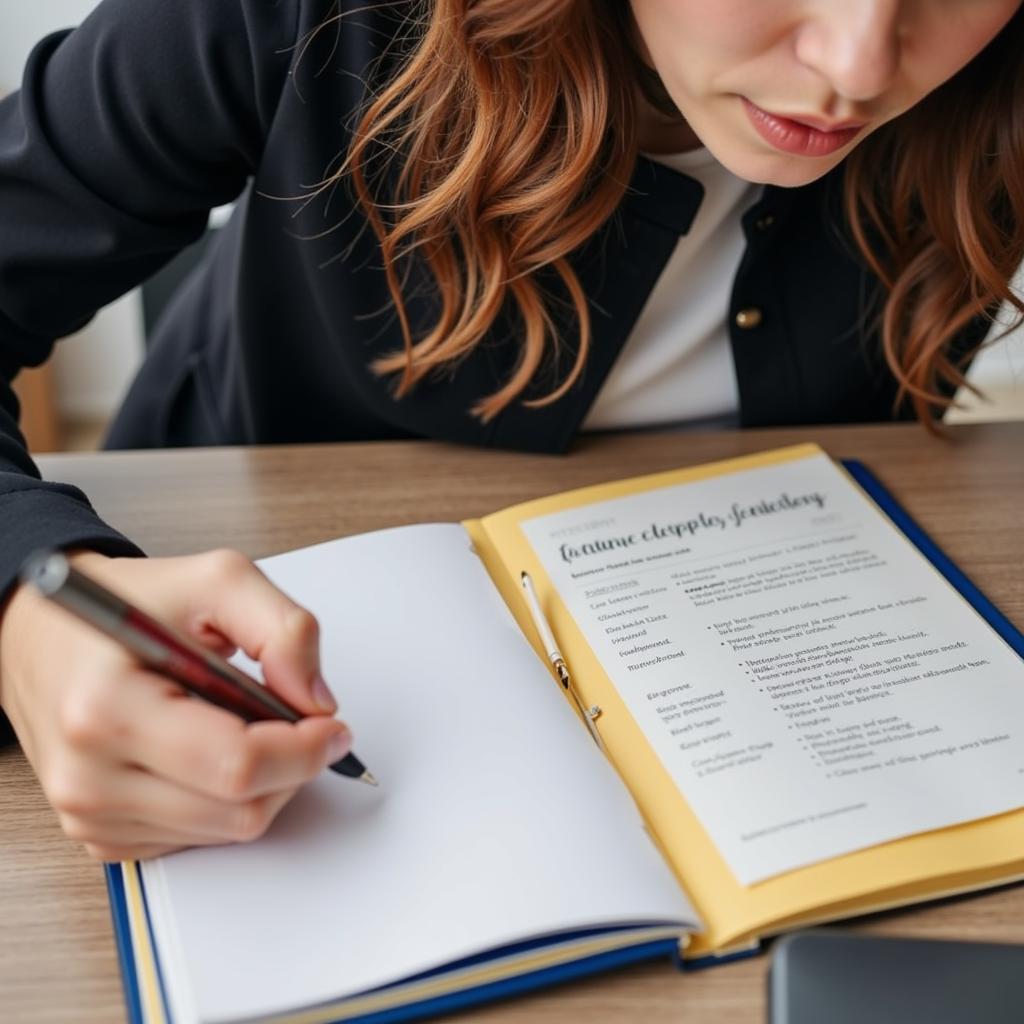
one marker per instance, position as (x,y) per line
(618,267)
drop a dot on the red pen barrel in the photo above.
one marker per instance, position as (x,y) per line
(196,669)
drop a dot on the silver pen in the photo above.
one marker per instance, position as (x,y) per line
(554,655)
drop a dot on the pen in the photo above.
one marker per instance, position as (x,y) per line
(554,655)
(164,649)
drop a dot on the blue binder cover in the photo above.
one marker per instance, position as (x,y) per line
(123,942)
(945,565)
(873,487)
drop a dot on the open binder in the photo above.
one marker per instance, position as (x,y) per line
(493,972)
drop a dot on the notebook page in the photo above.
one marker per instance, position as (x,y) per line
(497,818)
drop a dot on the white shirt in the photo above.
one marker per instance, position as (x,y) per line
(676,365)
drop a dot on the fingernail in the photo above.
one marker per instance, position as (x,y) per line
(338,746)
(323,696)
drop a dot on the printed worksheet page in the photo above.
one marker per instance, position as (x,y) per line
(809,680)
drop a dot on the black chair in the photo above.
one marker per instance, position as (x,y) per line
(160,288)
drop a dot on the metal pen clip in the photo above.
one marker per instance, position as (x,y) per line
(590,713)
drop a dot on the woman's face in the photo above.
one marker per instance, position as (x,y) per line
(781,90)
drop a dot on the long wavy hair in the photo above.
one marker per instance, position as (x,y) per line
(507,137)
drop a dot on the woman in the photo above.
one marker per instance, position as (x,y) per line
(444,230)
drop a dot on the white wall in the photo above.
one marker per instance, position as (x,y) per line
(92,369)
(24,22)
(998,373)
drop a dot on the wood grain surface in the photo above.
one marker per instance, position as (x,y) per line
(57,960)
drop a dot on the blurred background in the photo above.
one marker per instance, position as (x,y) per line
(67,403)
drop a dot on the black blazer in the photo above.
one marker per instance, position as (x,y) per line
(129,129)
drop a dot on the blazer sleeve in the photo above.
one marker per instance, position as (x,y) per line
(125,133)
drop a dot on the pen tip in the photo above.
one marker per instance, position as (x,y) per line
(369,779)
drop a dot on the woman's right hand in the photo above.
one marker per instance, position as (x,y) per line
(132,764)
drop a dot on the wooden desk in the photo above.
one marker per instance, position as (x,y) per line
(57,960)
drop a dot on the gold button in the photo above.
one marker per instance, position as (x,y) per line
(764,222)
(747,318)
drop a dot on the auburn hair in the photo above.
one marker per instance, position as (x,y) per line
(506,138)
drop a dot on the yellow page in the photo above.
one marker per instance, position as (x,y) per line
(904,870)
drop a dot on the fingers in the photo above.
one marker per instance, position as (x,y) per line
(145,768)
(243,605)
(149,722)
(223,600)
(142,810)
(212,752)
(122,812)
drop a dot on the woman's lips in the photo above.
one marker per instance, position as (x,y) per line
(798,137)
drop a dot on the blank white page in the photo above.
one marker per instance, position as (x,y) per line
(497,817)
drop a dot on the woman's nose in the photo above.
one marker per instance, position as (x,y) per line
(854,44)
